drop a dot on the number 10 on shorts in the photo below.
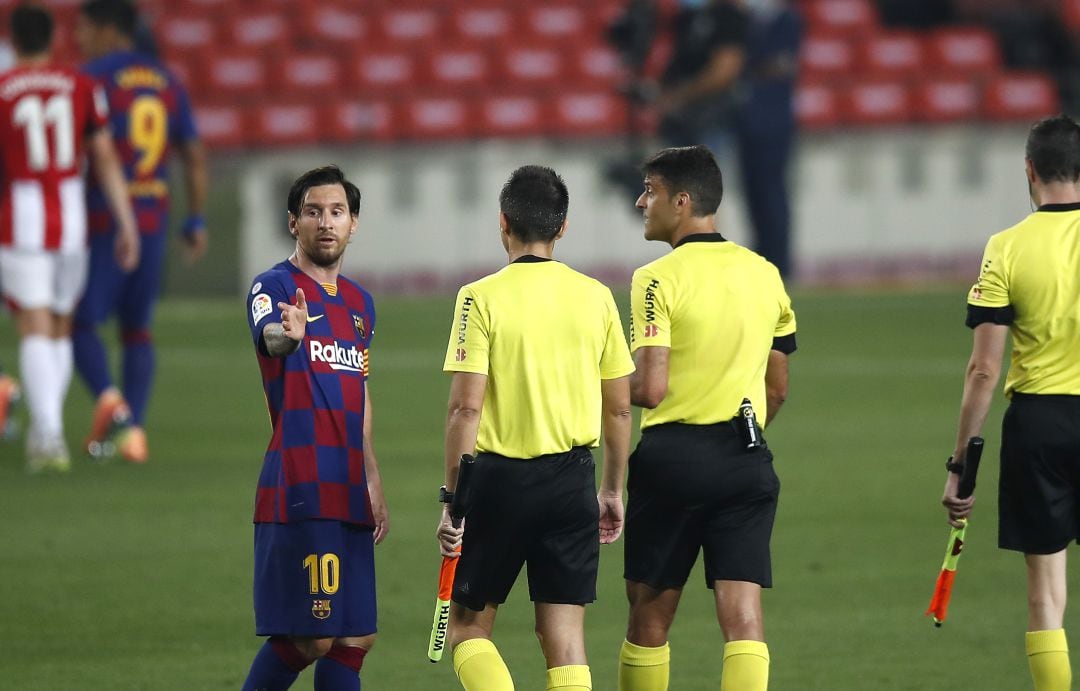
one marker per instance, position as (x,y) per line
(323,573)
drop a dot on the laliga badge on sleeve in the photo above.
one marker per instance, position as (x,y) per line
(261,306)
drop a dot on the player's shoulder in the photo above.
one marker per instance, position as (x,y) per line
(354,290)
(585,282)
(661,265)
(278,276)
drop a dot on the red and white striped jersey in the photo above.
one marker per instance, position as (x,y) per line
(46,113)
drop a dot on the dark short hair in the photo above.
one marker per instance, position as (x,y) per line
(31,29)
(326,175)
(116,13)
(535,201)
(690,169)
(1053,147)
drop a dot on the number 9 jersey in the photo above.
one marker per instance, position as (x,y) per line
(149,111)
(46,114)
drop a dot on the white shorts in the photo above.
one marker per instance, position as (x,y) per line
(37,279)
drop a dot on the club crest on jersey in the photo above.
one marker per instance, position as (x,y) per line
(361,327)
(320,609)
(336,356)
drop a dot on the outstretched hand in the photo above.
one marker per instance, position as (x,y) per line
(294,317)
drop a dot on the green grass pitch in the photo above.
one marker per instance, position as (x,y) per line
(118,577)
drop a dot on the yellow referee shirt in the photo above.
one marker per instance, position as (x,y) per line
(1030,279)
(545,335)
(718,307)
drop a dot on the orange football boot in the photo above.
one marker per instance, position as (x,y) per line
(9,396)
(131,443)
(111,416)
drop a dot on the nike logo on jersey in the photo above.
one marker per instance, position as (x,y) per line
(316,318)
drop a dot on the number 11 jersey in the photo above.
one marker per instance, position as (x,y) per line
(46,113)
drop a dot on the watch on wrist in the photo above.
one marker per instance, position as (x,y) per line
(445,497)
(957,468)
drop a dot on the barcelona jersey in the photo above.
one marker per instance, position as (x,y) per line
(149,112)
(314,464)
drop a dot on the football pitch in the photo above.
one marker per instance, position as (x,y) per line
(119,577)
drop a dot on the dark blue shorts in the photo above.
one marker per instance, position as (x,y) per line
(314,578)
(110,291)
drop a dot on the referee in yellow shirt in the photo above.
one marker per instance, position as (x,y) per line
(1029,286)
(711,327)
(540,367)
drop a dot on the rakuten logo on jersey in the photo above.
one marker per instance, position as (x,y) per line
(339,358)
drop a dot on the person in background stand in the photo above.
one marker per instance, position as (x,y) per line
(765,124)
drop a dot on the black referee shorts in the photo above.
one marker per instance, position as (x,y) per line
(1038,507)
(694,488)
(540,512)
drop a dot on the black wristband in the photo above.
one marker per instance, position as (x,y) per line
(957,468)
(444,496)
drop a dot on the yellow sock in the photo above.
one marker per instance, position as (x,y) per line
(746,666)
(479,667)
(1048,659)
(569,678)
(644,669)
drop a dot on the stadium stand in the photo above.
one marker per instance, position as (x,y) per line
(409,69)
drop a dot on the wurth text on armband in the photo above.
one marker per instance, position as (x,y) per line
(463,320)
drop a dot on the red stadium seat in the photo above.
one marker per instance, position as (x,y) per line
(337,24)
(221,127)
(437,118)
(1070,10)
(411,25)
(279,124)
(596,65)
(892,54)
(877,102)
(298,74)
(511,116)
(531,65)
(260,30)
(179,33)
(237,74)
(384,71)
(556,22)
(946,99)
(460,67)
(482,23)
(353,121)
(1020,96)
(847,17)
(589,113)
(817,106)
(963,50)
(827,56)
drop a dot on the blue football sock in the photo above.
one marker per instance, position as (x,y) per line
(275,667)
(340,669)
(90,359)
(138,372)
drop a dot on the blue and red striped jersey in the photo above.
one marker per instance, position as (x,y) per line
(314,464)
(149,112)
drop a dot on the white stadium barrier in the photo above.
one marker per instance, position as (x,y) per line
(895,205)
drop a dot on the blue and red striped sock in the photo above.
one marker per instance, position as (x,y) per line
(339,670)
(276,666)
